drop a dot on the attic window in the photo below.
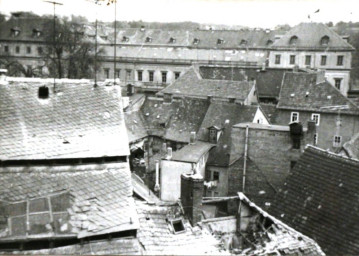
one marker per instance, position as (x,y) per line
(148,39)
(125,39)
(36,32)
(220,41)
(43,92)
(178,226)
(324,41)
(15,31)
(269,42)
(172,40)
(293,40)
(196,41)
(243,42)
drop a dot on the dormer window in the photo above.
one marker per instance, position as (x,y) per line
(220,41)
(36,32)
(125,39)
(196,41)
(172,40)
(293,40)
(15,32)
(214,133)
(269,42)
(243,42)
(148,39)
(324,41)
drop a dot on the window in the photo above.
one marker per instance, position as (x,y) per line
(17,49)
(337,141)
(107,72)
(277,59)
(148,39)
(125,39)
(292,59)
(178,226)
(139,75)
(243,42)
(315,139)
(324,41)
(164,76)
(196,41)
(177,75)
(6,48)
(213,135)
(215,176)
(43,92)
(340,59)
(220,41)
(293,40)
(308,60)
(28,49)
(39,50)
(316,118)
(294,117)
(128,74)
(172,40)
(337,83)
(118,72)
(151,75)
(269,43)
(323,60)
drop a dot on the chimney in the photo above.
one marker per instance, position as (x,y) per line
(192,139)
(169,153)
(192,187)
(320,76)
(296,133)
(312,129)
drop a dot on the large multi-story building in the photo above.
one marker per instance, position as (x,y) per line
(153,58)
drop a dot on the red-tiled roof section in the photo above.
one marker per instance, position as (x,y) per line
(320,199)
(309,36)
(78,121)
(191,84)
(83,200)
(300,91)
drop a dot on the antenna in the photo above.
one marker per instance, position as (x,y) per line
(54,35)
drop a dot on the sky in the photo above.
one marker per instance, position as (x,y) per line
(251,13)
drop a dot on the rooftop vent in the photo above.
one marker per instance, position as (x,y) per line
(148,39)
(172,40)
(196,41)
(43,92)
(36,32)
(293,40)
(269,42)
(324,41)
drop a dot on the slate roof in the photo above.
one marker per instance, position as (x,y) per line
(77,121)
(136,128)
(320,199)
(157,236)
(300,91)
(176,120)
(207,38)
(352,147)
(268,81)
(279,238)
(191,84)
(309,37)
(270,111)
(224,115)
(192,153)
(75,201)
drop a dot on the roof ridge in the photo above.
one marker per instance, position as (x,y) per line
(331,154)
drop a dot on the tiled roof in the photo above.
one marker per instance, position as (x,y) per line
(192,152)
(82,201)
(352,147)
(279,239)
(207,38)
(135,125)
(268,81)
(309,36)
(191,84)
(157,236)
(271,112)
(176,120)
(77,121)
(224,115)
(320,199)
(300,91)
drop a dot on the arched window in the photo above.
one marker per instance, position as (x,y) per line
(293,40)
(243,42)
(269,42)
(324,40)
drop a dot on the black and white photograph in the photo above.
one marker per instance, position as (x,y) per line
(179,127)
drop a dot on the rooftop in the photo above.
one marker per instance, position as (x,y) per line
(192,152)
(352,147)
(320,199)
(76,121)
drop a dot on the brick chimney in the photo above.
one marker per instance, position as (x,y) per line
(192,187)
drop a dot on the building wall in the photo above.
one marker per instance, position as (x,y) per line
(328,126)
(222,185)
(332,70)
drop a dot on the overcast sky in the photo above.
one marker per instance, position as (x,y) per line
(252,13)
